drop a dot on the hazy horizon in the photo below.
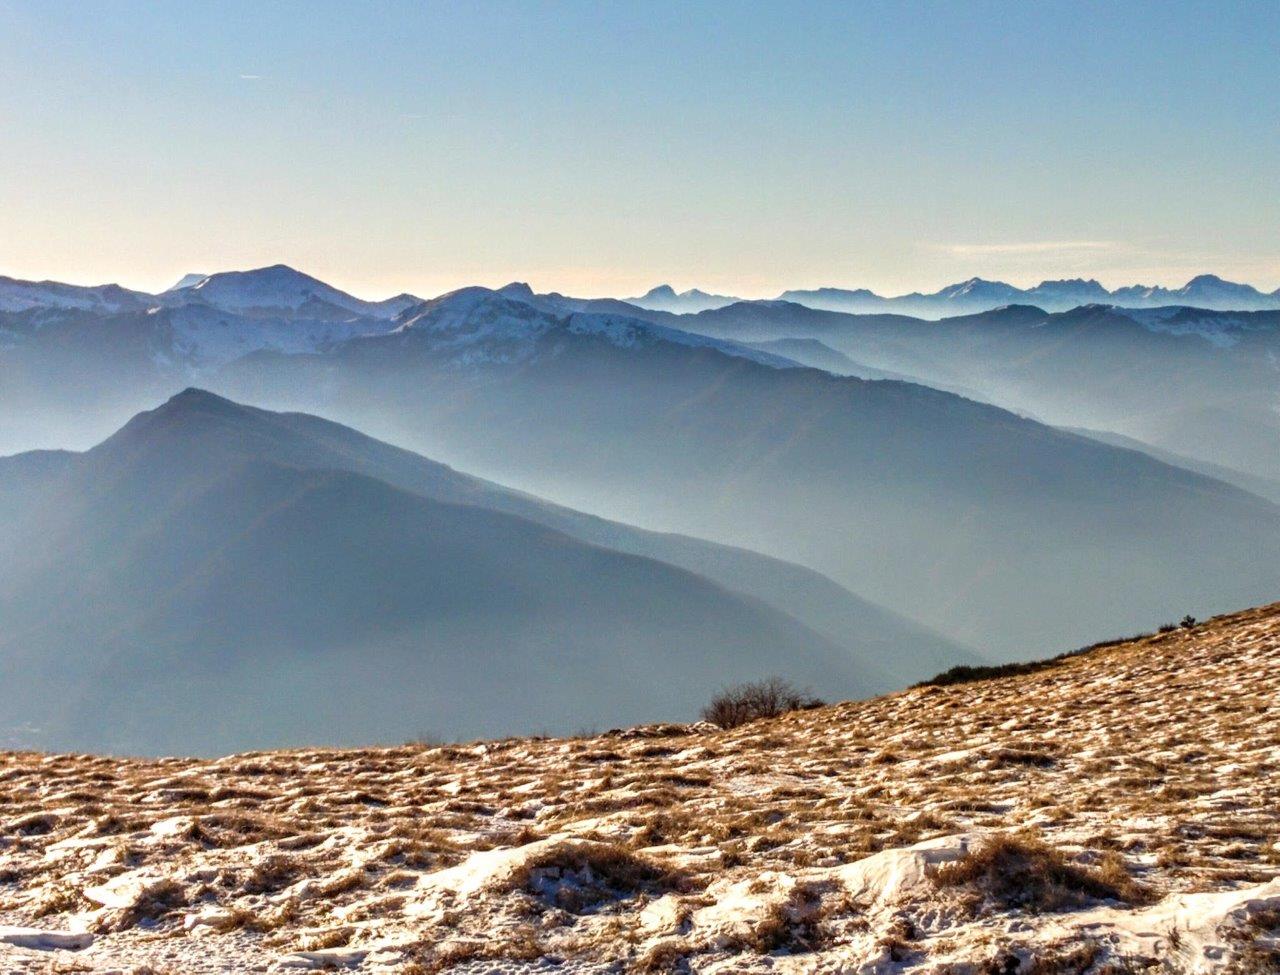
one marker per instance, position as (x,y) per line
(600,151)
(1028,281)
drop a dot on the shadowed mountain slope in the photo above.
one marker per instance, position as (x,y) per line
(214,560)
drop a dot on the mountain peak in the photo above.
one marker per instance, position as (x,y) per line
(1211,288)
(979,288)
(194,395)
(661,291)
(194,400)
(519,290)
(1070,282)
(276,274)
(179,414)
(276,290)
(476,314)
(186,281)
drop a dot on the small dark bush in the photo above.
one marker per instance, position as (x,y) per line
(741,703)
(1188,621)
(965,673)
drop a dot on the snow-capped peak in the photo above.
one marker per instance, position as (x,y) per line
(979,288)
(280,289)
(475,325)
(18,295)
(665,298)
(186,281)
(518,290)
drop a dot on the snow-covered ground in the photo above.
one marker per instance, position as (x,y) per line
(1118,811)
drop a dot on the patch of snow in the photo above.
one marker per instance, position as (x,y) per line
(41,939)
(205,336)
(17,295)
(1222,329)
(324,959)
(279,289)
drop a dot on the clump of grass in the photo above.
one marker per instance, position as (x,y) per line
(57,899)
(518,944)
(331,938)
(272,874)
(581,877)
(1072,959)
(664,956)
(160,900)
(33,824)
(1023,873)
(1020,757)
(224,830)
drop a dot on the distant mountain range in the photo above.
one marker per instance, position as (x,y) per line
(897,491)
(665,298)
(282,292)
(978,295)
(269,292)
(1192,382)
(748,424)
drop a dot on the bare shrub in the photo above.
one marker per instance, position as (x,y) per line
(741,703)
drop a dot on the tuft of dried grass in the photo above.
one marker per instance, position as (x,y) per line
(1024,873)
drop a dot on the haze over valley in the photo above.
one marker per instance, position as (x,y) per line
(1010,482)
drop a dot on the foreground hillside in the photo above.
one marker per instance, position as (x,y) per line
(1095,814)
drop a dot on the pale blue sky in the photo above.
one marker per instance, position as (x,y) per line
(601,148)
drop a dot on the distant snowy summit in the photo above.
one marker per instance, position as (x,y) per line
(18,296)
(976,295)
(474,325)
(281,293)
(665,298)
(280,289)
(1207,291)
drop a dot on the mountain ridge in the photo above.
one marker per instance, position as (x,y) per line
(1206,291)
(206,536)
(280,289)
(702,441)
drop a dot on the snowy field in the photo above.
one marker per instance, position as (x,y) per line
(1116,811)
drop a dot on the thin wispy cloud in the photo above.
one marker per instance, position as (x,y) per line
(1015,248)
(251,77)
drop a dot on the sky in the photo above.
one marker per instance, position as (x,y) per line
(602,148)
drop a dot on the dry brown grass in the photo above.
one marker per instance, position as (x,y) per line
(1160,752)
(584,875)
(1024,873)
